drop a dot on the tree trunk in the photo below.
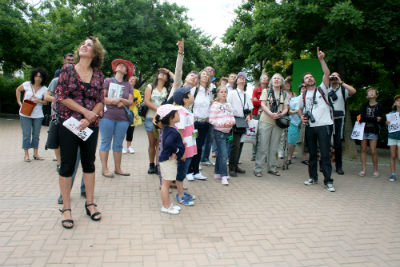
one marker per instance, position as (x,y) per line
(350,148)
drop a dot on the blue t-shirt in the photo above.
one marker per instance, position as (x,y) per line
(171,144)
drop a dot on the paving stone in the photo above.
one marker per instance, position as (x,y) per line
(267,221)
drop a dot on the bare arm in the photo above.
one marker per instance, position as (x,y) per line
(48,97)
(178,68)
(349,88)
(90,115)
(147,100)
(18,94)
(325,69)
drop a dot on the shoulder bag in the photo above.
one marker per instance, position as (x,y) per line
(240,122)
(28,105)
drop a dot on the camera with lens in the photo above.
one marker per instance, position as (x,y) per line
(333,78)
(309,116)
(332,95)
(273,107)
(246,112)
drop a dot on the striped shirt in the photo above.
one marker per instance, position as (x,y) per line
(186,124)
(221,114)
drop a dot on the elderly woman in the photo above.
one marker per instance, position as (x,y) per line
(242,106)
(34,91)
(115,122)
(80,94)
(274,104)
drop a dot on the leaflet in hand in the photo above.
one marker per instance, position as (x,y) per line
(394,119)
(72,125)
(115,90)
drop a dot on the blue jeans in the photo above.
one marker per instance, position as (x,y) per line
(222,153)
(109,129)
(30,132)
(202,130)
(208,143)
(183,167)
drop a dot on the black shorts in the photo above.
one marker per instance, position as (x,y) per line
(52,135)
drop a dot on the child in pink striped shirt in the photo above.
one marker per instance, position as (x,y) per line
(185,126)
(221,117)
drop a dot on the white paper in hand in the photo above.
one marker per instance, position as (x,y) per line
(115,90)
(72,125)
(394,119)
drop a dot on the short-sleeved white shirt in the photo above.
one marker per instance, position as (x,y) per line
(201,105)
(339,104)
(320,110)
(38,109)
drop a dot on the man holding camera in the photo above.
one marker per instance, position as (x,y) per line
(338,93)
(315,112)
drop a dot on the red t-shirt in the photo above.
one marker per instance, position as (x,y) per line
(256,103)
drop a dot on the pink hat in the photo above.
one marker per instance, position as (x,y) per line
(164,110)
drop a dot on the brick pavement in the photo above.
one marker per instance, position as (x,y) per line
(268,221)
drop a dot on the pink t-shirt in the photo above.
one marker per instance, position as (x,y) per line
(186,124)
(221,114)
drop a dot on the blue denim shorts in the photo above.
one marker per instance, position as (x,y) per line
(370,136)
(148,124)
(393,142)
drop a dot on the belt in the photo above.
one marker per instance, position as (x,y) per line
(200,120)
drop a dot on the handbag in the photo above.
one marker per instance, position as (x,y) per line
(129,114)
(27,107)
(240,122)
(142,109)
(283,122)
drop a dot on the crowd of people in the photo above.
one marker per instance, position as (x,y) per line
(186,121)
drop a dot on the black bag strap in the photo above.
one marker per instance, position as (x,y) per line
(244,102)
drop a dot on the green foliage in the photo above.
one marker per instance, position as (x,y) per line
(143,31)
(8,104)
(360,39)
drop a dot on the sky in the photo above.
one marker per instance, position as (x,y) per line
(213,17)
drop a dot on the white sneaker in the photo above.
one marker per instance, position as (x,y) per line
(124,151)
(224,180)
(330,187)
(131,150)
(190,177)
(170,210)
(175,207)
(199,176)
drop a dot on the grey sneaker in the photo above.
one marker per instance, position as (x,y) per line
(207,163)
(392,178)
(310,181)
(330,187)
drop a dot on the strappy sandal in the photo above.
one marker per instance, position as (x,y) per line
(258,174)
(305,162)
(63,222)
(92,216)
(276,173)
(37,158)
(376,175)
(361,173)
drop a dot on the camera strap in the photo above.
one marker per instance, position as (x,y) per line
(244,102)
